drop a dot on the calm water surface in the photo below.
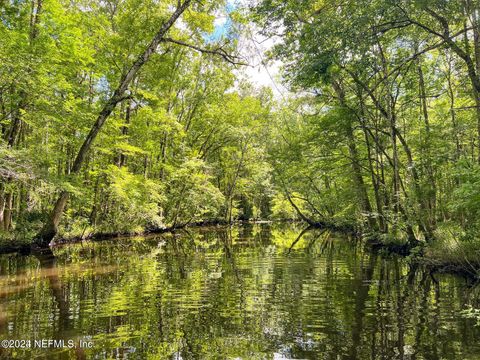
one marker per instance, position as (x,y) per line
(252,292)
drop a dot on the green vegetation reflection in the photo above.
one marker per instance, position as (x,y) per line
(250,292)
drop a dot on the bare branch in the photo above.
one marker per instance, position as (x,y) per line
(387,26)
(217,51)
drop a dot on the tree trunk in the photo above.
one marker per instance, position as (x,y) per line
(476,49)
(428,204)
(231,188)
(374,175)
(51,226)
(2,207)
(453,116)
(7,215)
(122,159)
(358,179)
(356,168)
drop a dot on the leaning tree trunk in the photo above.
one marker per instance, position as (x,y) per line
(50,227)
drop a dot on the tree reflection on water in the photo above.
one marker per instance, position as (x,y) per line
(246,292)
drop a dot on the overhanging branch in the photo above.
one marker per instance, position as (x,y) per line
(232,59)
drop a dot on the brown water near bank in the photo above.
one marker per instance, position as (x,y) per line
(247,292)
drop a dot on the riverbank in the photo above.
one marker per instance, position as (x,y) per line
(445,254)
(24,246)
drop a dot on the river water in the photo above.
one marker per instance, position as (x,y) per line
(250,292)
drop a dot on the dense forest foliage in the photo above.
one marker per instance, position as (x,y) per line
(389,131)
(173,142)
(126,115)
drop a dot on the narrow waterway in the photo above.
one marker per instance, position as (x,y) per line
(250,292)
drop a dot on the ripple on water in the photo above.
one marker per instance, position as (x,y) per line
(239,295)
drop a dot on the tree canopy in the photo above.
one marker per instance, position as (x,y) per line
(124,116)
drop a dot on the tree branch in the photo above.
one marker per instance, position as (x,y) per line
(217,51)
